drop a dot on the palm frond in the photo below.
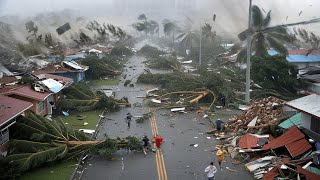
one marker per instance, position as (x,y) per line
(257,17)
(267,19)
(26,161)
(276,45)
(242,55)
(281,37)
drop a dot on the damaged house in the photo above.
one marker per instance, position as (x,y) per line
(68,69)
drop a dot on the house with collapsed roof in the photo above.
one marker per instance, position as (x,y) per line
(68,69)
(44,93)
(10,108)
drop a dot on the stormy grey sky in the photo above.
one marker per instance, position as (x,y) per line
(231,14)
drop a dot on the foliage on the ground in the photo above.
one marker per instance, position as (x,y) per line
(222,82)
(163,62)
(37,141)
(121,50)
(150,51)
(98,68)
(80,97)
(144,117)
(276,76)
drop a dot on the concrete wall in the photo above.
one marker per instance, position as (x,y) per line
(305,120)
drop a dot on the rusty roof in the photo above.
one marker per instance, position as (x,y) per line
(297,148)
(11,108)
(291,135)
(8,79)
(248,141)
(28,92)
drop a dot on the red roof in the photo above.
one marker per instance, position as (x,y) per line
(8,79)
(291,135)
(29,92)
(248,141)
(297,148)
(270,175)
(11,108)
(60,79)
(301,52)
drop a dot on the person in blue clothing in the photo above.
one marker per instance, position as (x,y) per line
(219,125)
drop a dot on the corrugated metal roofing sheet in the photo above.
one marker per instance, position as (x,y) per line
(308,104)
(294,120)
(248,141)
(299,56)
(291,135)
(297,148)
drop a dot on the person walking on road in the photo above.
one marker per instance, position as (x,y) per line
(220,155)
(146,143)
(210,170)
(129,119)
(219,126)
(158,140)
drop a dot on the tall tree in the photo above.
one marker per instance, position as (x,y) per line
(170,28)
(274,38)
(31,28)
(207,33)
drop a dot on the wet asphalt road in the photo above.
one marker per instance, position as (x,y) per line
(182,161)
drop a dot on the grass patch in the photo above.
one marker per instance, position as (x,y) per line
(104,82)
(60,171)
(90,117)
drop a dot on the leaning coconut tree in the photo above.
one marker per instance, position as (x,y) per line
(262,40)
(38,141)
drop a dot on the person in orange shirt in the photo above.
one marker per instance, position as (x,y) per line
(220,155)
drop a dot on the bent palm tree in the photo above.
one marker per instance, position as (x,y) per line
(40,141)
(207,33)
(263,40)
(169,28)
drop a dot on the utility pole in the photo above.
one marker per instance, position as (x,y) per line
(200,45)
(248,80)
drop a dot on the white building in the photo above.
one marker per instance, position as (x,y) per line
(309,106)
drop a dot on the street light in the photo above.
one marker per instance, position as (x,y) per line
(248,81)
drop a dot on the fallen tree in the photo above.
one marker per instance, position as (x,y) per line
(81,98)
(37,141)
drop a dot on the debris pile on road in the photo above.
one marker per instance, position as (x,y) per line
(268,149)
(262,113)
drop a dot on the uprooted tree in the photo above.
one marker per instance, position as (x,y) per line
(37,141)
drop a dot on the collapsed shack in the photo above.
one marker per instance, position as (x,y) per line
(252,139)
(263,115)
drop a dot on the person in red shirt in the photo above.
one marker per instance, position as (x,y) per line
(158,140)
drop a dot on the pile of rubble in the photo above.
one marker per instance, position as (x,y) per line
(262,113)
(295,154)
